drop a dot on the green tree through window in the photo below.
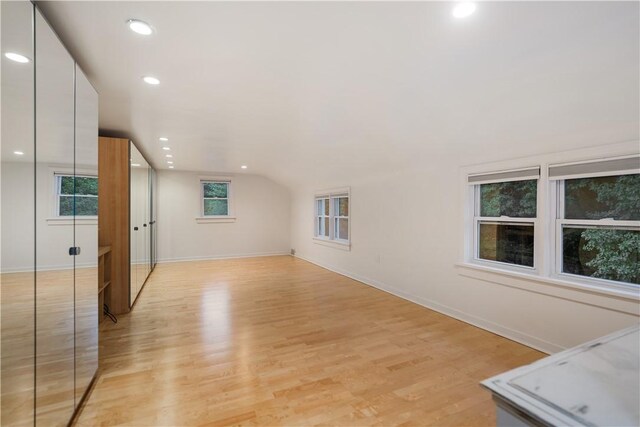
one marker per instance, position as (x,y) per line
(77,195)
(215,198)
(603,252)
(499,238)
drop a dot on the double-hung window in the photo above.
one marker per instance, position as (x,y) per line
(598,219)
(76,195)
(215,198)
(586,233)
(332,216)
(505,216)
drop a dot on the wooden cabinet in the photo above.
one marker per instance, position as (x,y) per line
(126,219)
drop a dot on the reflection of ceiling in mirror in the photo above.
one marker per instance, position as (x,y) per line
(137,158)
(54,97)
(17,82)
(86,121)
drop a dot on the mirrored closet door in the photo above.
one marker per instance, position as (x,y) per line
(17,259)
(49,352)
(87,311)
(140,222)
(54,265)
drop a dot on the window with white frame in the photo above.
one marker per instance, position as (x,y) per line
(332,217)
(215,198)
(505,216)
(597,224)
(587,234)
(76,195)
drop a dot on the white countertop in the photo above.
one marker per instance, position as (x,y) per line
(594,384)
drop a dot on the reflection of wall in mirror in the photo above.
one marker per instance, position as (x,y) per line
(17,250)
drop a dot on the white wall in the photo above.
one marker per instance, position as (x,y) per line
(261,207)
(406,231)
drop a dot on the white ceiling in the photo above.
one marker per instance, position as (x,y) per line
(312,90)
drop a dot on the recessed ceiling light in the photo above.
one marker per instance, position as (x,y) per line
(170,167)
(463,9)
(166,148)
(135,164)
(18,153)
(169,162)
(163,139)
(243,166)
(169,156)
(139,27)
(17,57)
(151,80)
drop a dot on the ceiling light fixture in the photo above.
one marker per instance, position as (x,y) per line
(169,156)
(163,139)
(166,148)
(18,153)
(169,162)
(463,9)
(139,27)
(170,167)
(135,164)
(151,80)
(17,57)
(243,166)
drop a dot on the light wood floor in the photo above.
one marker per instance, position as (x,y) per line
(279,341)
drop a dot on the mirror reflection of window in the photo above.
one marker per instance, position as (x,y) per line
(76,195)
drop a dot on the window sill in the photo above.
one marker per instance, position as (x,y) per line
(65,220)
(215,219)
(332,244)
(599,295)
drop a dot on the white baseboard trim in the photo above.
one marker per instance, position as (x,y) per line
(520,337)
(45,268)
(219,257)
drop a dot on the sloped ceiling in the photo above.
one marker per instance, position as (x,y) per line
(317,91)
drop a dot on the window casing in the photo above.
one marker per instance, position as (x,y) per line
(586,229)
(76,195)
(215,196)
(332,221)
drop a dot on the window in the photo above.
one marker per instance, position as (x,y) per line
(215,198)
(587,233)
(332,217)
(598,223)
(76,195)
(505,214)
